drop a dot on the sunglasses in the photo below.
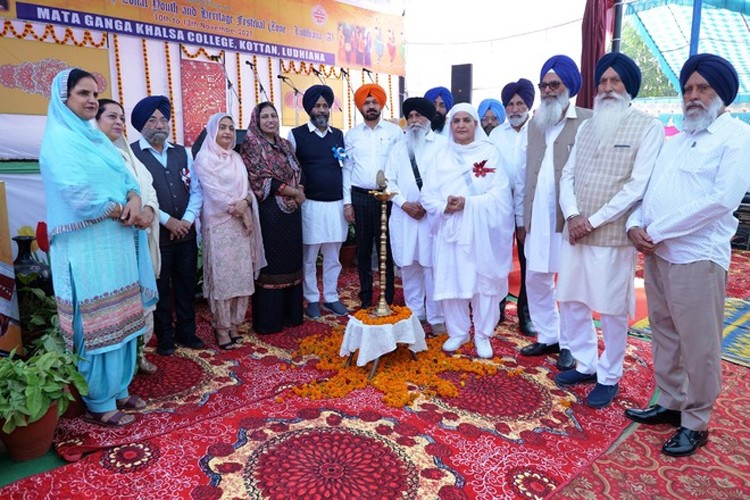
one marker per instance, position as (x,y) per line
(553,85)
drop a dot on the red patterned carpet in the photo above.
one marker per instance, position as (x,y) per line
(637,468)
(226,424)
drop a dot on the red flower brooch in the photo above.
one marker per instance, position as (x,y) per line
(185,176)
(480,170)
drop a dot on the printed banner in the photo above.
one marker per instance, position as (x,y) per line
(327,32)
(292,112)
(10,319)
(27,68)
(203,94)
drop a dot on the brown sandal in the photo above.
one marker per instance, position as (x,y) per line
(113,418)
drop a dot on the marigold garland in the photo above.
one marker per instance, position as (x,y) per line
(270,74)
(399,313)
(49,32)
(328,71)
(257,87)
(400,378)
(200,52)
(169,82)
(118,68)
(390,97)
(144,50)
(239,86)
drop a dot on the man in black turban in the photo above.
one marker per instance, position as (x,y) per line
(684,227)
(411,240)
(604,178)
(312,102)
(180,199)
(321,154)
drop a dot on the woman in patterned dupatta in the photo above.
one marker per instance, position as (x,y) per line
(275,179)
(232,246)
(101,267)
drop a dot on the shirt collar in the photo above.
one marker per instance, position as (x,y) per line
(144,144)
(312,128)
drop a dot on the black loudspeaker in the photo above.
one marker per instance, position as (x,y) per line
(461,83)
(240,133)
(401,92)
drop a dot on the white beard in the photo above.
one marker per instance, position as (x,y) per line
(518,120)
(415,134)
(550,111)
(607,116)
(695,120)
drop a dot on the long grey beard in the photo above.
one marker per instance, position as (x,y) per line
(415,135)
(697,120)
(608,115)
(550,111)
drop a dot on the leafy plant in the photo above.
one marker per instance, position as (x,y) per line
(38,310)
(29,387)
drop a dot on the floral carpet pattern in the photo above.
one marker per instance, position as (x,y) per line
(229,424)
(637,469)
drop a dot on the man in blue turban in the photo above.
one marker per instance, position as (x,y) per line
(442,98)
(684,227)
(551,136)
(604,178)
(180,199)
(491,114)
(510,138)
(321,153)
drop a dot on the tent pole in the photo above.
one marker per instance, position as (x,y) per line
(617,34)
(695,30)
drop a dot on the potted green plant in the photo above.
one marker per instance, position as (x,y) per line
(34,392)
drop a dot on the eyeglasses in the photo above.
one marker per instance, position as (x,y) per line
(153,121)
(553,85)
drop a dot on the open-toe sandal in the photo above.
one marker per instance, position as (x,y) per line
(225,342)
(114,418)
(131,403)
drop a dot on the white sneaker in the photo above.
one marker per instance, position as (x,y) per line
(484,348)
(453,343)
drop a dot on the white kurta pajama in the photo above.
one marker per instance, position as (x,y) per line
(472,249)
(411,239)
(542,245)
(600,278)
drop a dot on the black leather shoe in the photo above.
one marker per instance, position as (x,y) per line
(565,361)
(539,349)
(654,415)
(191,342)
(527,327)
(165,350)
(684,442)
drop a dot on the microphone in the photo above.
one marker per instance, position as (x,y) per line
(282,77)
(365,70)
(215,58)
(317,73)
(250,64)
(344,72)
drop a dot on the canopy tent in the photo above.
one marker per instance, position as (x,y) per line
(665,27)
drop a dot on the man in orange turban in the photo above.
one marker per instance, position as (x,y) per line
(369,90)
(368,145)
